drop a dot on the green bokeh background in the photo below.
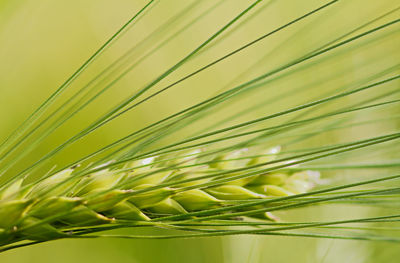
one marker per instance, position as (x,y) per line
(42,42)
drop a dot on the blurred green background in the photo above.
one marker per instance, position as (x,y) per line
(42,42)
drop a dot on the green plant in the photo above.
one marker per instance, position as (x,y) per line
(152,176)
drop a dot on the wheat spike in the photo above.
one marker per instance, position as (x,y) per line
(63,201)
